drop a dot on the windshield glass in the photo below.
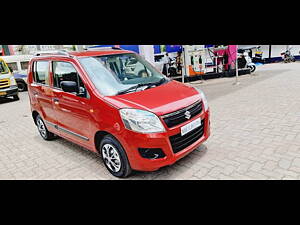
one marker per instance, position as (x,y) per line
(114,74)
(3,67)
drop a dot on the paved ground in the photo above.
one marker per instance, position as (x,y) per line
(255,135)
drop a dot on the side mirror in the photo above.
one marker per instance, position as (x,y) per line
(69,86)
(10,69)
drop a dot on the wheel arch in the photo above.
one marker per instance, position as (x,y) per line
(34,115)
(99,135)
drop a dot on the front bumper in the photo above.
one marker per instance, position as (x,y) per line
(132,141)
(10,91)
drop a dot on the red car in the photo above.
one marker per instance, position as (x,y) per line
(115,103)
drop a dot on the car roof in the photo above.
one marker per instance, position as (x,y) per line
(87,53)
(98,53)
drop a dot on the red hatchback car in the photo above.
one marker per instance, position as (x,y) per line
(115,103)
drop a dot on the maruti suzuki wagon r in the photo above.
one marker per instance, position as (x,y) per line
(115,103)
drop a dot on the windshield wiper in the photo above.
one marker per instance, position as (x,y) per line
(135,87)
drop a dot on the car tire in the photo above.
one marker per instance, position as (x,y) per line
(22,86)
(16,97)
(46,135)
(114,157)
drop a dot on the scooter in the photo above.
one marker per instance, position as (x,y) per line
(287,56)
(245,61)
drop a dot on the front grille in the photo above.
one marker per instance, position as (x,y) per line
(178,117)
(179,142)
(4,83)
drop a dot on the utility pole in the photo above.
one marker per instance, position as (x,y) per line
(236,68)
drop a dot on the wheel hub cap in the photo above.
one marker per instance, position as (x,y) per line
(111,157)
(41,127)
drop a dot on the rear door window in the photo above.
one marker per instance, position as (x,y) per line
(41,72)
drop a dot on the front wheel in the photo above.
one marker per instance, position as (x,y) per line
(22,86)
(46,135)
(114,157)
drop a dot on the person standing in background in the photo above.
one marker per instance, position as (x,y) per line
(166,61)
(179,63)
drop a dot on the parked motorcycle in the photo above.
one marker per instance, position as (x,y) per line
(287,56)
(245,61)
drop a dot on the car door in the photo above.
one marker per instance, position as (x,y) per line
(72,111)
(42,92)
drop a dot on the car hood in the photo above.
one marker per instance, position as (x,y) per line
(160,100)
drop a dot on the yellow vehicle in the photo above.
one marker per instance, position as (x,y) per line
(8,84)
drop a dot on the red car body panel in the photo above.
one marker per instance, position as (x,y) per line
(85,117)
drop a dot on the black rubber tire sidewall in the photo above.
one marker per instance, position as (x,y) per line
(125,170)
(23,85)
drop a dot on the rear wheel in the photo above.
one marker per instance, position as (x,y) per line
(46,135)
(114,157)
(252,68)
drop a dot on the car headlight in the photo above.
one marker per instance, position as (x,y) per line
(141,121)
(13,81)
(204,99)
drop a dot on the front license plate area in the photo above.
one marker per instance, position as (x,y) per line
(190,126)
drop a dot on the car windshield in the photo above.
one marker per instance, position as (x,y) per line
(121,73)
(3,67)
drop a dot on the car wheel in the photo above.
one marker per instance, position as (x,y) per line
(22,86)
(46,135)
(114,157)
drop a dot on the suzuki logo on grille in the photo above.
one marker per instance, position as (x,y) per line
(187,115)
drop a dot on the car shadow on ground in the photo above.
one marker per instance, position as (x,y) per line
(93,161)
(6,100)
